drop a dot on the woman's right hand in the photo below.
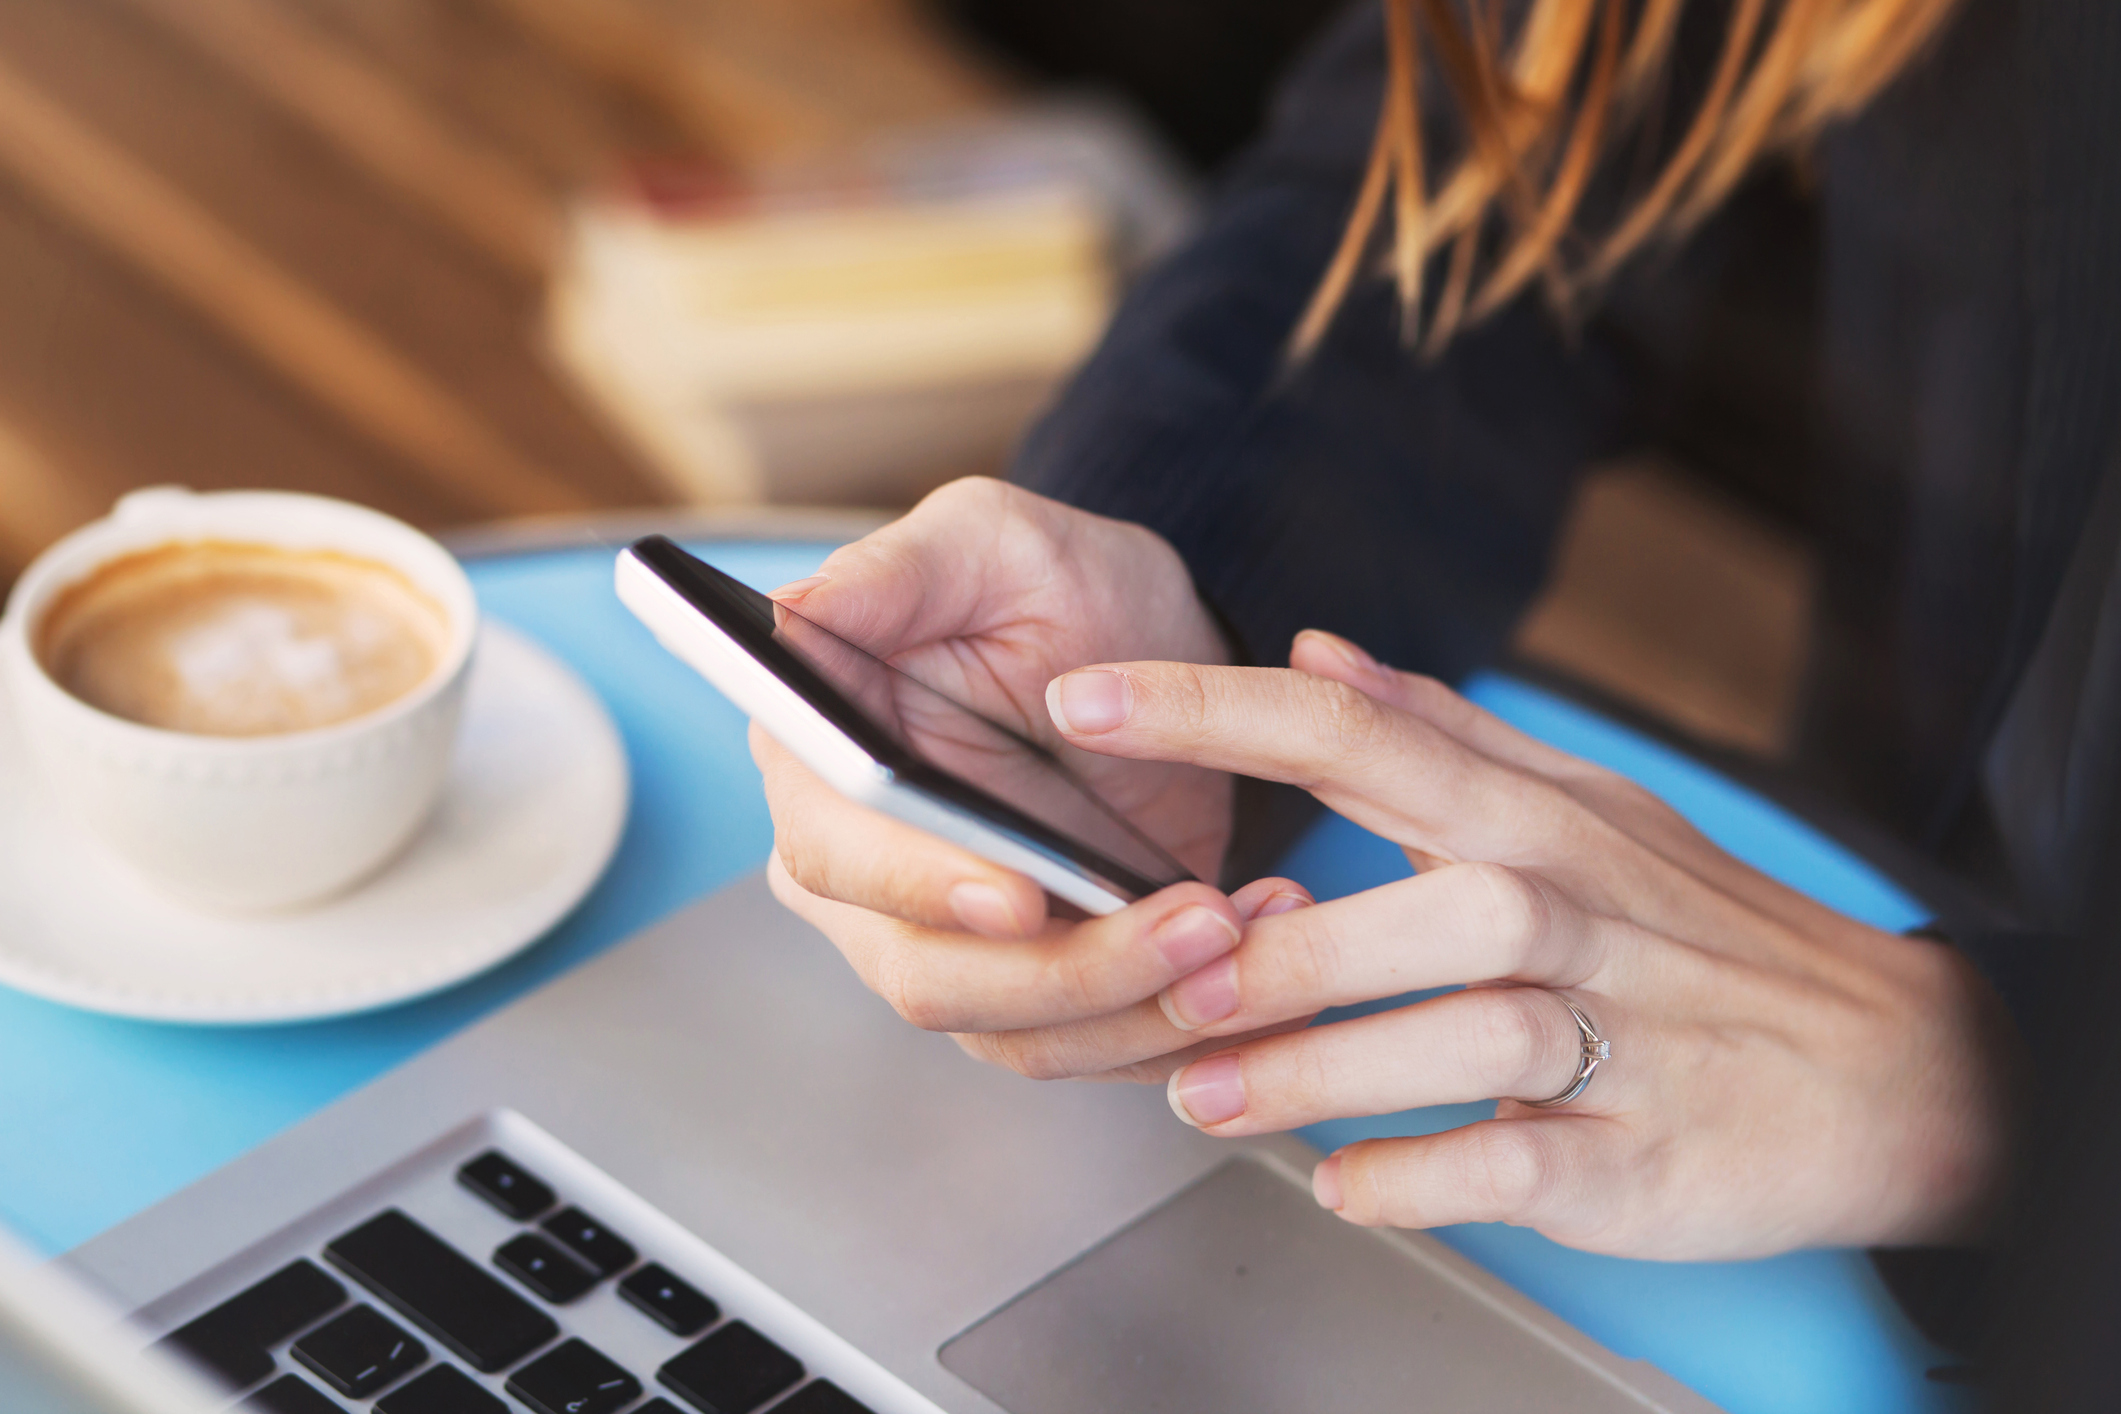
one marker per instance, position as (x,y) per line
(987,592)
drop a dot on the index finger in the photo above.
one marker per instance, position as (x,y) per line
(852,854)
(1388,770)
(1640,813)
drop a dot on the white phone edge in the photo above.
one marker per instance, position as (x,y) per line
(699,643)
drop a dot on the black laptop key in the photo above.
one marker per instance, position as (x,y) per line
(289,1394)
(659,1405)
(442,1390)
(232,1340)
(442,1291)
(733,1371)
(544,1268)
(821,1397)
(359,1351)
(574,1378)
(507,1185)
(671,1302)
(590,1240)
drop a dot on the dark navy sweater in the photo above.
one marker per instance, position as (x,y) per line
(1911,346)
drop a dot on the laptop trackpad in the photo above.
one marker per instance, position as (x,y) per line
(1241,1294)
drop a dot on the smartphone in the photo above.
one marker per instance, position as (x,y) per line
(885,740)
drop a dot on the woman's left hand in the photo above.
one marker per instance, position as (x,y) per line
(1780,1075)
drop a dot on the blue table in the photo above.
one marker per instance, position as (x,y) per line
(100,1117)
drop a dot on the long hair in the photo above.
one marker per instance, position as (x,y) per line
(1542,105)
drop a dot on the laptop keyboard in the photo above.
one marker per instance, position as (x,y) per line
(394,1316)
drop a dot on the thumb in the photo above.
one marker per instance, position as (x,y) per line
(929,575)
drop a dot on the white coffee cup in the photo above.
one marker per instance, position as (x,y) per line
(244,822)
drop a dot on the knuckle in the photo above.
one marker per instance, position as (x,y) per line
(1434,701)
(1506,1169)
(900,981)
(1632,794)
(1373,1186)
(1188,700)
(1155,1071)
(803,870)
(967,492)
(1307,1084)
(921,1010)
(1611,799)
(1507,905)
(1073,981)
(783,884)
(1510,1029)
(1309,962)
(1346,717)
(1146,547)
(801,863)
(795,840)
(1041,1053)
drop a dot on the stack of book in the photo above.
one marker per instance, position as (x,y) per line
(860,334)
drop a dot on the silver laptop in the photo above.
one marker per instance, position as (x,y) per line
(63,1350)
(709,1173)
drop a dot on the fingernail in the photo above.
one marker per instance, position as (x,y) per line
(984,909)
(1090,701)
(1284,902)
(1193,936)
(1325,1184)
(1346,651)
(797,588)
(1205,997)
(1208,1091)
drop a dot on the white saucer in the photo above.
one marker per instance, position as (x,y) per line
(531,814)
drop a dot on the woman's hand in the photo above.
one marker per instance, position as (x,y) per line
(1780,1075)
(985,592)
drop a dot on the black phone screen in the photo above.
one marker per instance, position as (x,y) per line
(927,741)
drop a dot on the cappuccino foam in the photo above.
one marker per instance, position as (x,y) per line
(226,639)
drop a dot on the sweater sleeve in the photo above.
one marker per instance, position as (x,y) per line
(1409,504)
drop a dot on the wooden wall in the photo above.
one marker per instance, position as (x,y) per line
(302,243)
